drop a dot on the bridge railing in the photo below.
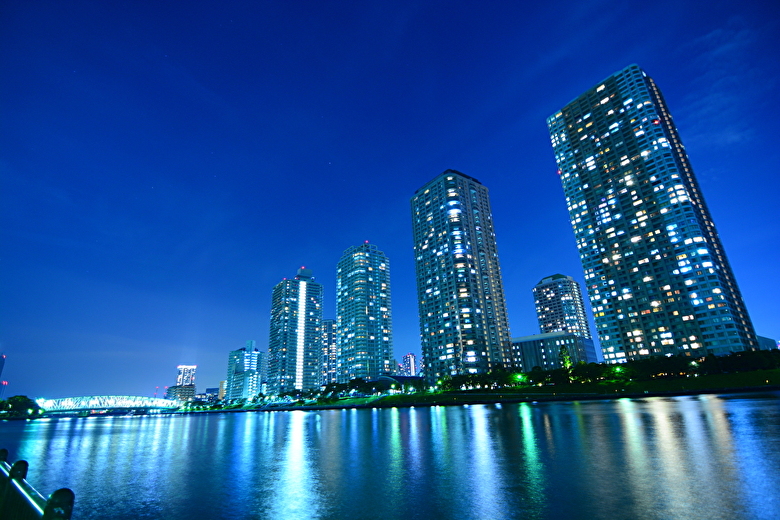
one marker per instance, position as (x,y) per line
(20,501)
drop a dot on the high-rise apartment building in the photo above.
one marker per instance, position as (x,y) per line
(295,342)
(186,375)
(364,321)
(464,327)
(656,273)
(409,365)
(559,306)
(330,353)
(243,373)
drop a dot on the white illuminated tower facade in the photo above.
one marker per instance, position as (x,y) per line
(364,314)
(295,341)
(656,272)
(464,327)
(559,306)
(409,365)
(186,375)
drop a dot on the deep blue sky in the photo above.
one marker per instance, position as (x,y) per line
(165,164)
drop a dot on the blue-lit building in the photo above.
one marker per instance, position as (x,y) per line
(559,306)
(295,340)
(765,343)
(330,353)
(464,328)
(364,321)
(408,366)
(243,373)
(551,350)
(656,272)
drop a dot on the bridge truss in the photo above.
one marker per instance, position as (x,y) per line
(106,402)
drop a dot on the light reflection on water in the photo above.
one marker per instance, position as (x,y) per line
(705,457)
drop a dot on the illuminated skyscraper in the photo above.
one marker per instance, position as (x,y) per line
(186,375)
(409,365)
(464,327)
(656,273)
(364,322)
(330,353)
(243,373)
(295,342)
(559,306)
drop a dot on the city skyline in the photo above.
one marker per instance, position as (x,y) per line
(161,170)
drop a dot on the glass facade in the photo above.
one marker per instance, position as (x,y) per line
(364,322)
(464,327)
(656,273)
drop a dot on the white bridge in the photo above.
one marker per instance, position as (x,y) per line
(99,403)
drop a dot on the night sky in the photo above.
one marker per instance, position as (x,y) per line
(165,164)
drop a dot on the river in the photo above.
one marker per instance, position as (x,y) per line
(692,457)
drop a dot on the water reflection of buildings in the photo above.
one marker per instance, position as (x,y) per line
(658,458)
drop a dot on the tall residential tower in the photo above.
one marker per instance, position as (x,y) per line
(364,322)
(243,373)
(656,273)
(330,353)
(464,327)
(559,306)
(295,341)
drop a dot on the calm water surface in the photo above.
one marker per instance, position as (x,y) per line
(702,457)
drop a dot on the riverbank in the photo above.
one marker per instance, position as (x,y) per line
(741,382)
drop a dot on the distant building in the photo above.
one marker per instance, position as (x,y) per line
(364,322)
(295,340)
(765,343)
(181,392)
(551,350)
(330,353)
(409,365)
(559,306)
(186,375)
(210,395)
(655,269)
(243,374)
(464,327)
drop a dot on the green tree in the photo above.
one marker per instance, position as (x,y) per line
(565,357)
(21,406)
(587,372)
